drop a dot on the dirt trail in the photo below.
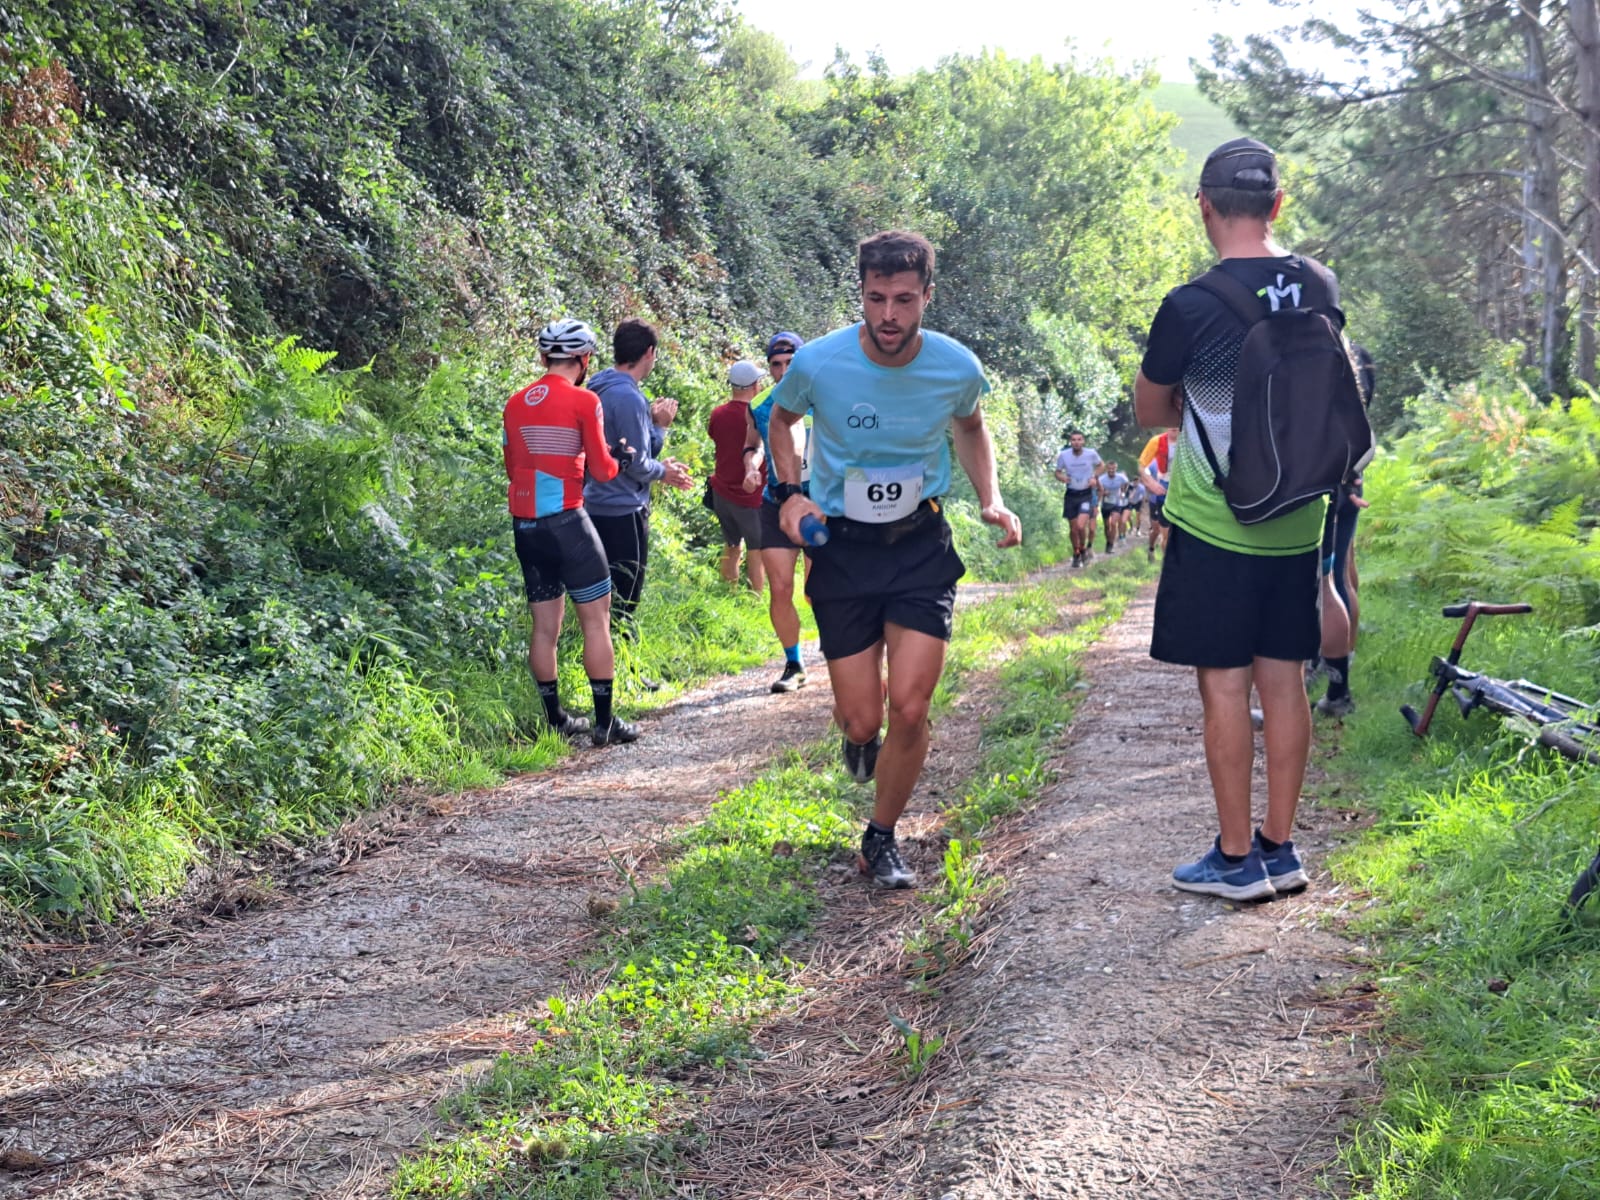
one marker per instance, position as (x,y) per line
(1114,1038)
(299,1048)
(1126,1039)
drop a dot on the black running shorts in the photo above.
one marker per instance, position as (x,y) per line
(856,587)
(1079,503)
(1220,608)
(561,554)
(772,535)
(1158,510)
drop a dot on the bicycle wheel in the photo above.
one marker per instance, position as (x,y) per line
(1585,885)
(1578,746)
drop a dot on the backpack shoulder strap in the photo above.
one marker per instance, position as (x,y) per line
(1241,301)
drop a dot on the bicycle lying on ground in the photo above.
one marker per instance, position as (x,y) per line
(1564,724)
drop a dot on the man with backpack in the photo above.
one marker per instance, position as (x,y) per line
(1255,350)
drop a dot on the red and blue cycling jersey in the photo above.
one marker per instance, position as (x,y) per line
(553,431)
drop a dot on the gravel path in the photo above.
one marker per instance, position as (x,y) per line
(1127,1039)
(298,1048)
(1115,1039)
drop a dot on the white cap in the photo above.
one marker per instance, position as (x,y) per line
(744,374)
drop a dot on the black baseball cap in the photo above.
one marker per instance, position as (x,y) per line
(1244,164)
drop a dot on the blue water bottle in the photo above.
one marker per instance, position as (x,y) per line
(813,530)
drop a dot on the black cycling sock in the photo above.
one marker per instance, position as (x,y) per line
(1233,860)
(874,828)
(1267,843)
(1338,676)
(550,693)
(602,702)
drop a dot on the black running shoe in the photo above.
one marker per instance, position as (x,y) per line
(880,860)
(862,760)
(793,678)
(617,733)
(571,727)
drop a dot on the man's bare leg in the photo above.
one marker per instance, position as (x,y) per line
(1230,750)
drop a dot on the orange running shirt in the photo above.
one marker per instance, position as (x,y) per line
(553,430)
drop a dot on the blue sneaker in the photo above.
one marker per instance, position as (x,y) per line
(1214,875)
(1284,868)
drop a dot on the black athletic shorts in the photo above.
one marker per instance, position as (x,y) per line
(1158,510)
(1077,503)
(561,554)
(1220,608)
(772,535)
(857,584)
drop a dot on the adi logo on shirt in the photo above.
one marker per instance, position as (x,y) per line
(862,416)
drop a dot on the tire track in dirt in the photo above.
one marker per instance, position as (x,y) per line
(1119,1037)
(302,1047)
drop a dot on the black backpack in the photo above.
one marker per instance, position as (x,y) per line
(1299,429)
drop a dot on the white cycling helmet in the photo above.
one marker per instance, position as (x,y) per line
(566,338)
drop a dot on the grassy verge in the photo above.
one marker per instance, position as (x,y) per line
(700,956)
(1490,1046)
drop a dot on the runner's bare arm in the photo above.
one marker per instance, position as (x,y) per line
(1155,404)
(975,452)
(754,453)
(786,466)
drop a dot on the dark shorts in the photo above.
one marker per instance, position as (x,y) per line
(1158,510)
(561,554)
(1220,608)
(1077,504)
(1107,510)
(772,535)
(856,587)
(739,523)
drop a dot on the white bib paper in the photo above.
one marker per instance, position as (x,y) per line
(877,495)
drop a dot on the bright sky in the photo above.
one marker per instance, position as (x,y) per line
(919,32)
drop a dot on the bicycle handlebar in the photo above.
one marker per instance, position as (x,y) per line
(1488,610)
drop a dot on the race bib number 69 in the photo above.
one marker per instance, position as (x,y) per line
(877,495)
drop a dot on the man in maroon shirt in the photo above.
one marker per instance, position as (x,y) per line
(740,474)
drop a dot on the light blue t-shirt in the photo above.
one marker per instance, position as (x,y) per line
(761,414)
(864,416)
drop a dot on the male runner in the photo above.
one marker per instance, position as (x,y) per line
(554,432)
(739,475)
(1134,513)
(1155,462)
(1076,466)
(778,554)
(882,395)
(1112,503)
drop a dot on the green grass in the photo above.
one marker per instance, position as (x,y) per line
(1491,1050)
(698,957)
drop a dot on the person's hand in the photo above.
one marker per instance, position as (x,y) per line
(752,479)
(789,516)
(677,475)
(1360,502)
(1002,517)
(662,412)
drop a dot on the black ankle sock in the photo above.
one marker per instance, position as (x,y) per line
(1338,676)
(1267,843)
(602,702)
(874,828)
(1232,860)
(550,694)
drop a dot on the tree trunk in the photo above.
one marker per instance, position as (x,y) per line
(1584,17)
(1546,246)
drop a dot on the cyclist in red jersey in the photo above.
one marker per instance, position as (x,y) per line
(554,435)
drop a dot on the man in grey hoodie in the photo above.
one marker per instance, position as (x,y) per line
(620,508)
